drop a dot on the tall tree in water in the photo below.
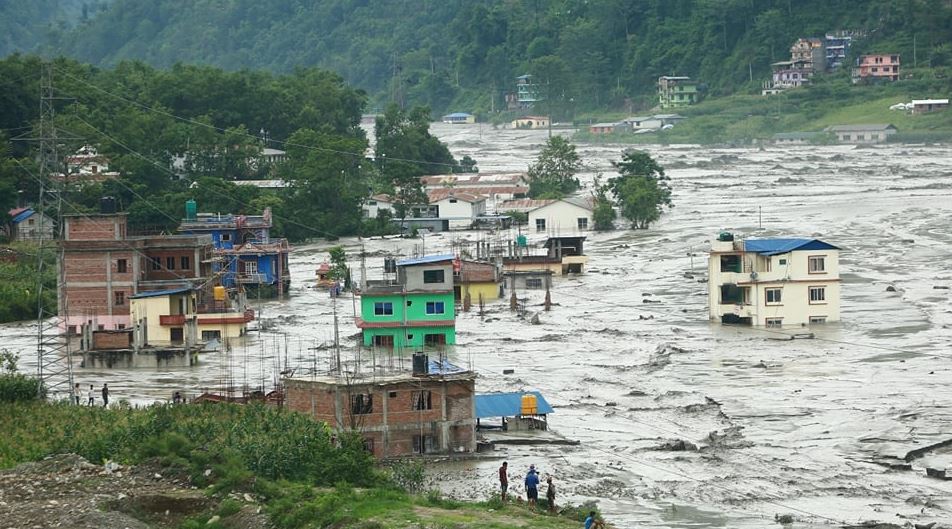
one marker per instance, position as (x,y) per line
(553,173)
(641,189)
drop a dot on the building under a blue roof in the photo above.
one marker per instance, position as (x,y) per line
(459,118)
(511,408)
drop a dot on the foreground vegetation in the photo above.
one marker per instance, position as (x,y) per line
(18,283)
(303,474)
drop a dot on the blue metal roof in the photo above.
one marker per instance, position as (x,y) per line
(458,115)
(158,293)
(437,367)
(779,246)
(23,215)
(427,259)
(508,404)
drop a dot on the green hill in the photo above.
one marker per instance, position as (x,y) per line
(461,54)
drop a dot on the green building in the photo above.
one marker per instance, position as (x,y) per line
(676,91)
(415,311)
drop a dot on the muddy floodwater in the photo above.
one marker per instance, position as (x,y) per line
(629,360)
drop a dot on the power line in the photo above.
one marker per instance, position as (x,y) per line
(220,129)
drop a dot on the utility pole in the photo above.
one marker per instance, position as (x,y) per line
(54,362)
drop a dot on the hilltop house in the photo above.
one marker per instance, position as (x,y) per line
(247,253)
(837,47)
(416,310)
(862,134)
(88,166)
(527,92)
(773,282)
(876,68)
(26,224)
(922,106)
(677,91)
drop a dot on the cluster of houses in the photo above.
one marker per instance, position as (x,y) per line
(637,124)
(812,56)
(467,201)
(167,294)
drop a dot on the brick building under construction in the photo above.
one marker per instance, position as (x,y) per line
(431,410)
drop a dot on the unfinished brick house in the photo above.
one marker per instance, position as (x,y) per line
(398,415)
(103,267)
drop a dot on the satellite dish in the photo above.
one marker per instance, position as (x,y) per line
(753,276)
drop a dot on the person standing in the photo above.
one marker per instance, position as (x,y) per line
(105,395)
(504,479)
(550,493)
(77,393)
(92,396)
(532,485)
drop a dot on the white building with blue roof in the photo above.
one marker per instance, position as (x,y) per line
(779,282)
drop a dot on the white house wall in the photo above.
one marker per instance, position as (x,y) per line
(560,218)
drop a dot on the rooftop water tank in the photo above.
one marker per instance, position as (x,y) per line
(220,293)
(191,209)
(725,236)
(421,364)
(522,241)
(530,405)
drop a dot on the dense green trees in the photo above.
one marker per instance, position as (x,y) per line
(641,188)
(460,54)
(553,173)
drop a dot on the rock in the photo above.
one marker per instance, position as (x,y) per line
(611,403)
(208,472)
(534,319)
(248,498)
(940,287)
(890,288)
(678,445)
(213,519)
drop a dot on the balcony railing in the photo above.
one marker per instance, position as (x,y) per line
(172,319)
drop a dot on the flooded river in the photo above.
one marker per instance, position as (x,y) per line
(630,361)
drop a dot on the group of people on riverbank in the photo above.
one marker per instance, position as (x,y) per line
(91,395)
(532,481)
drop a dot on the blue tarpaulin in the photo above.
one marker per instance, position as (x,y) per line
(426,260)
(508,404)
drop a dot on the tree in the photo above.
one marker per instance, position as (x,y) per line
(553,173)
(603,213)
(339,270)
(641,188)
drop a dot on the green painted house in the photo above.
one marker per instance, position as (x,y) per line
(415,311)
(676,91)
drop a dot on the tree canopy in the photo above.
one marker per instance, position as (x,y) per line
(641,188)
(553,173)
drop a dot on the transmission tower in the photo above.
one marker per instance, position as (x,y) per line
(54,362)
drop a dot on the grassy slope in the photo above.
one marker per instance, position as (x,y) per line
(833,101)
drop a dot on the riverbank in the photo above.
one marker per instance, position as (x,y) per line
(215,466)
(743,119)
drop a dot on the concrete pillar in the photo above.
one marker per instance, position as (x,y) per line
(386,425)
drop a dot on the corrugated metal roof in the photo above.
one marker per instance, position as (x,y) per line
(159,293)
(779,246)
(508,404)
(427,259)
(443,367)
(861,128)
(458,115)
(21,214)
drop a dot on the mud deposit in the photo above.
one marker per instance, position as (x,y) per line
(685,423)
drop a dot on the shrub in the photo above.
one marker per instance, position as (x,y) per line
(16,387)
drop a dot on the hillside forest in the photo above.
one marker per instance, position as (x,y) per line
(465,54)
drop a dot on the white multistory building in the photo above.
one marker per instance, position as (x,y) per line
(773,282)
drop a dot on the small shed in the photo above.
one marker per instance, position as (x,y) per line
(509,407)
(922,106)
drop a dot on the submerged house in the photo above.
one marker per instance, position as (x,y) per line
(863,133)
(430,410)
(478,281)
(416,310)
(773,282)
(247,254)
(519,411)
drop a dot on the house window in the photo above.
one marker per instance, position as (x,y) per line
(817,294)
(583,223)
(251,267)
(730,263)
(369,444)
(121,266)
(453,201)
(817,264)
(120,326)
(540,224)
(31,222)
(435,307)
(383,340)
(393,394)
(817,319)
(773,295)
(433,276)
(119,298)
(211,335)
(782,262)
(774,322)
(170,263)
(371,202)
(421,400)
(225,237)
(362,404)
(154,263)
(422,444)
(383,308)
(185,262)
(534,282)
(434,340)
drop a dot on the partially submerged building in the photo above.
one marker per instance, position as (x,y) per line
(862,133)
(248,256)
(165,318)
(773,282)
(561,255)
(478,281)
(415,310)
(428,411)
(567,215)
(518,411)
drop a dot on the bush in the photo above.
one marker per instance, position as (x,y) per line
(16,387)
